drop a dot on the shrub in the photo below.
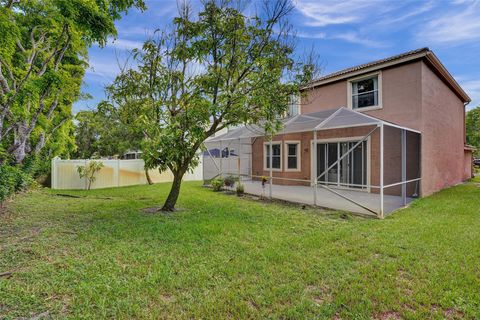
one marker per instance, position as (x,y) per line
(217,184)
(240,189)
(230,181)
(89,171)
(12,180)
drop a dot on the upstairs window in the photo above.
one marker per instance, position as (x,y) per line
(276,156)
(293,106)
(365,92)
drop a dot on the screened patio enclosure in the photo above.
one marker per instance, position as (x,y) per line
(340,159)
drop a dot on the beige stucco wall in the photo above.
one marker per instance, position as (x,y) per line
(443,134)
(415,97)
(401,96)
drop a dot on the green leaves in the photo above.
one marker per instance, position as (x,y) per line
(473,128)
(219,69)
(43,52)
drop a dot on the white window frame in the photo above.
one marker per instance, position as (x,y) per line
(265,144)
(294,100)
(298,155)
(379,88)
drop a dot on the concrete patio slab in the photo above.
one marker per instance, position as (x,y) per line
(326,198)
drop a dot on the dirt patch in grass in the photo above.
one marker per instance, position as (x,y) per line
(453,314)
(319,294)
(388,315)
(159,211)
(167,298)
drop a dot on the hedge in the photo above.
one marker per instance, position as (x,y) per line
(12,180)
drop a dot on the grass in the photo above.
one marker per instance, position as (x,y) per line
(100,256)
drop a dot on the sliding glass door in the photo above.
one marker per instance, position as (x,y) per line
(350,172)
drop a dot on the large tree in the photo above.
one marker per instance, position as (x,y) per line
(43,57)
(219,68)
(473,128)
(105,132)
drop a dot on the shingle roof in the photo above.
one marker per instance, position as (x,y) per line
(371,64)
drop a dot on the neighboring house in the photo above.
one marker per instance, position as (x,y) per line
(413,90)
(131,155)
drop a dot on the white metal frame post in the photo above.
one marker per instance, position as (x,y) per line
(270,161)
(315,174)
(239,163)
(221,158)
(404,167)
(381,172)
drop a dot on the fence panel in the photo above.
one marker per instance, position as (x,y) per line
(114,173)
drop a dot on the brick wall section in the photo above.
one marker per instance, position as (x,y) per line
(304,174)
(306,156)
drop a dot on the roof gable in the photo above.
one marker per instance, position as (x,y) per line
(419,54)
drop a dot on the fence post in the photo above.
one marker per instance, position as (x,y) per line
(118,172)
(86,179)
(54,173)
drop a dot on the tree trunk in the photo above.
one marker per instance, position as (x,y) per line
(147,175)
(19,147)
(169,204)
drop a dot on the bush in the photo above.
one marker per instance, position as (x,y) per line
(12,180)
(217,184)
(240,189)
(230,181)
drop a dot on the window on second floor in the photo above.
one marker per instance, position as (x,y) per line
(293,106)
(365,92)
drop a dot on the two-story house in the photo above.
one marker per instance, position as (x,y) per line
(395,126)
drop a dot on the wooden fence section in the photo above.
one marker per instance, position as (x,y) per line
(115,173)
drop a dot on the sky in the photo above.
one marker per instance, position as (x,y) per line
(342,33)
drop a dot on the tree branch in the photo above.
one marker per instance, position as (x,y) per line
(4,87)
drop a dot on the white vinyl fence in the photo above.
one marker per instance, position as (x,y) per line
(115,173)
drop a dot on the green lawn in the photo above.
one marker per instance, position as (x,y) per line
(100,256)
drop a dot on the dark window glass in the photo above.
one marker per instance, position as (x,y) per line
(365,85)
(365,100)
(292,156)
(292,162)
(365,93)
(292,149)
(275,158)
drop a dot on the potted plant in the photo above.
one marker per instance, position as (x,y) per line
(230,181)
(264,182)
(240,189)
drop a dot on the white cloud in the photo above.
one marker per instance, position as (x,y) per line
(454,26)
(314,35)
(472,88)
(324,13)
(125,44)
(105,70)
(355,37)
(428,6)
(352,37)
